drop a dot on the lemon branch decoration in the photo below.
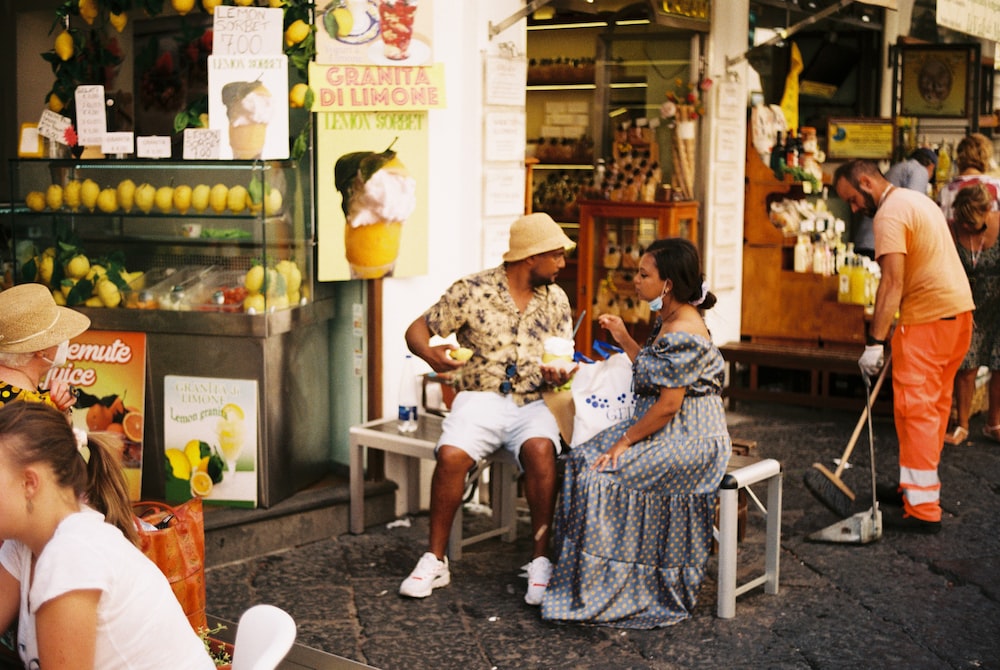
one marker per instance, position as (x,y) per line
(86,50)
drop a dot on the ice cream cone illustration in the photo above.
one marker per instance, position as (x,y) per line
(378,196)
(248,105)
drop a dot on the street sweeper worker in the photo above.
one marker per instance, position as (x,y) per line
(924,283)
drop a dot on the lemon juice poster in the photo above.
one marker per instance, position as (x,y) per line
(210,440)
(107,371)
(381,32)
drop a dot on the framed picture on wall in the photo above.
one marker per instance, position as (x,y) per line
(938,80)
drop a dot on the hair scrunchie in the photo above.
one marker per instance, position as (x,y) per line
(82,443)
(704,292)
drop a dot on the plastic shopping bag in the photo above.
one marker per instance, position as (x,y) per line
(602,395)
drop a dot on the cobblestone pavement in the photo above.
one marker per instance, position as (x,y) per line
(904,601)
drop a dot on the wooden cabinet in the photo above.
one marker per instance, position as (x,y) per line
(781,306)
(610,239)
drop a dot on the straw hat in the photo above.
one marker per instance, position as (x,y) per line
(535,234)
(30,320)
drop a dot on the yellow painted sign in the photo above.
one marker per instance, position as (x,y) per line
(859,138)
(376,88)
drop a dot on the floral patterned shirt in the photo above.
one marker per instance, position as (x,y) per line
(481,312)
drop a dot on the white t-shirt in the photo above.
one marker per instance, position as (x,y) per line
(140,624)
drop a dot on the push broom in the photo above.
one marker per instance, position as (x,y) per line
(827,486)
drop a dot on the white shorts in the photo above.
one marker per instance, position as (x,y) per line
(481,422)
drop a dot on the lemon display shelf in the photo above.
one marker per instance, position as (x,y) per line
(191,328)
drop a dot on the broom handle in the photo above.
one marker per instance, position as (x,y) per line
(861,422)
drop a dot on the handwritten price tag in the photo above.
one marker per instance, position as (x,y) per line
(152,146)
(118,143)
(53,126)
(202,143)
(91,114)
(247,31)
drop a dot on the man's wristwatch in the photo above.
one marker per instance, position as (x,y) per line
(871,341)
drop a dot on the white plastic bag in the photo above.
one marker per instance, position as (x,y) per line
(602,396)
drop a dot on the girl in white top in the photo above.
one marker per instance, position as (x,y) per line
(83,595)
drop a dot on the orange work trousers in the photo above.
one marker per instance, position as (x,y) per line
(925,357)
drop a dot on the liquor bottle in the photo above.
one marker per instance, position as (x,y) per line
(777,157)
(407,418)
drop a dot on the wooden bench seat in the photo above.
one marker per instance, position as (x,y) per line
(820,363)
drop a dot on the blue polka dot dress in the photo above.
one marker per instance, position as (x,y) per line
(633,541)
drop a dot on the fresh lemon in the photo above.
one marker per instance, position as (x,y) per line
(71,195)
(77,267)
(145,194)
(96,271)
(296,32)
(118,20)
(108,292)
(57,297)
(210,5)
(297,96)
(65,286)
(107,200)
(293,276)
(64,46)
(254,281)
(182,198)
(126,194)
(237,198)
(218,197)
(232,412)
(88,194)
(164,198)
(201,484)
(254,302)
(93,301)
(35,200)
(199,197)
(46,264)
(243,3)
(54,196)
(56,103)
(88,11)
(273,202)
(182,7)
(275,4)
(178,464)
(460,354)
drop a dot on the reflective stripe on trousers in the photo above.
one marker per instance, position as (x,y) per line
(925,358)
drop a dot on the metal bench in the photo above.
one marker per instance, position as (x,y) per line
(744,471)
(405,451)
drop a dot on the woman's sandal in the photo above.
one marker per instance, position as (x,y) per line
(992,432)
(959,435)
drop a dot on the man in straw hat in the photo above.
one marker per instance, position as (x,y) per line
(503,315)
(34,338)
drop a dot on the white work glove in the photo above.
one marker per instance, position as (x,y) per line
(872,360)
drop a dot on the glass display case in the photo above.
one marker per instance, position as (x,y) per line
(204,236)
(221,284)
(613,236)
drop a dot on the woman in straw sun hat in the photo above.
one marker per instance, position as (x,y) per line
(34,338)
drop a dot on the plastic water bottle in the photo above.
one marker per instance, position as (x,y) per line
(407,421)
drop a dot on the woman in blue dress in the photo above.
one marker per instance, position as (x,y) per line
(634,525)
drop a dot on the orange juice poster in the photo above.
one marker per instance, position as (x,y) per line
(210,439)
(108,371)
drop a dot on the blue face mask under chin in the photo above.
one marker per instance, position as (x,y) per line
(656,304)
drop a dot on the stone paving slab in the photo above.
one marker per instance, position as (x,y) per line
(904,601)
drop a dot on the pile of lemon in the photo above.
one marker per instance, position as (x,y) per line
(88,196)
(277,287)
(103,290)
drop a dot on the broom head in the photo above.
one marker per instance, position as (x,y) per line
(829,489)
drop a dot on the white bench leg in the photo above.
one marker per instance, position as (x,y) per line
(504,482)
(728,522)
(772,557)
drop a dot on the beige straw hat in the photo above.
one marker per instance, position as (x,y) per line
(535,234)
(30,320)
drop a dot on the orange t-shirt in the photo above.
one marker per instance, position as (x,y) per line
(934,283)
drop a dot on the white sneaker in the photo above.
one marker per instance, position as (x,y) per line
(429,574)
(539,571)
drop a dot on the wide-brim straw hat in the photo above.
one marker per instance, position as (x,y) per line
(30,320)
(535,234)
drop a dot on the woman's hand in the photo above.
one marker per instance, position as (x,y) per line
(61,395)
(614,325)
(610,457)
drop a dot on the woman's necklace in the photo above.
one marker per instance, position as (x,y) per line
(976,253)
(667,318)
